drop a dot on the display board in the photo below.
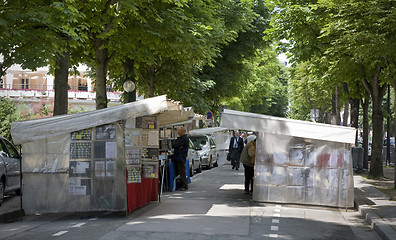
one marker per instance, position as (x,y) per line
(93,153)
(141,148)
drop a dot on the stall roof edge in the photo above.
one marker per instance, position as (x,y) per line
(275,125)
(32,130)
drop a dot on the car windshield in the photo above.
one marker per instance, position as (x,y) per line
(199,141)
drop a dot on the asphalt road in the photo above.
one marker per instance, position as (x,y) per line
(214,207)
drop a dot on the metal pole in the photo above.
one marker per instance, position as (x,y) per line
(20,185)
(388,130)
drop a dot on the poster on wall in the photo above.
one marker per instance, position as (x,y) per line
(130,122)
(150,170)
(80,150)
(109,168)
(153,138)
(99,149)
(132,138)
(144,138)
(79,168)
(134,174)
(111,150)
(79,186)
(150,154)
(85,134)
(132,156)
(105,132)
(149,122)
(100,168)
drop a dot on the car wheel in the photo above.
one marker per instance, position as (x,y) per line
(210,164)
(1,192)
(192,169)
(199,170)
(18,192)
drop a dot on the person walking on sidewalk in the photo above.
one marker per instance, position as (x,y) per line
(248,158)
(180,146)
(235,148)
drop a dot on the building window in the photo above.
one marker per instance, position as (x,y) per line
(25,83)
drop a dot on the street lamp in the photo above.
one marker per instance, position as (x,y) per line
(129,86)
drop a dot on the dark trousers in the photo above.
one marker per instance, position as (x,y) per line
(235,155)
(181,170)
(249,174)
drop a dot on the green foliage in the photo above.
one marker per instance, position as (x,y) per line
(9,113)
(200,52)
(77,109)
(265,88)
(306,92)
(41,109)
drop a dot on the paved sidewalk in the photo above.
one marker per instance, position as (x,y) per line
(373,205)
(376,208)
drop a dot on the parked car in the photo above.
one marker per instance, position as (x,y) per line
(194,160)
(10,165)
(385,141)
(360,144)
(206,147)
(392,151)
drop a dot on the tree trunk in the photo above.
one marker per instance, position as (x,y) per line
(152,81)
(346,114)
(394,110)
(129,66)
(377,92)
(335,110)
(101,57)
(376,168)
(355,105)
(365,104)
(60,84)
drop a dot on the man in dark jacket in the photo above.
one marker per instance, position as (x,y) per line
(235,148)
(180,146)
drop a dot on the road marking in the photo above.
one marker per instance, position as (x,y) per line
(59,233)
(78,225)
(93,219)
(274,228)
(275,220)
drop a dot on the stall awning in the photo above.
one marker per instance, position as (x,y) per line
(175,115)
(289,127)
(204,131)
(31,130)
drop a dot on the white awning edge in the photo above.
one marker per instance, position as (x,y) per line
(31,130)
(262,123)
(204,131)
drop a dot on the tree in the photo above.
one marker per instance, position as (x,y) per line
(369,47)
(308,92)
(232,70)
(56,24)
(340,32)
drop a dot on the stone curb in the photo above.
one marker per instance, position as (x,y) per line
(385,231)
(11,216)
